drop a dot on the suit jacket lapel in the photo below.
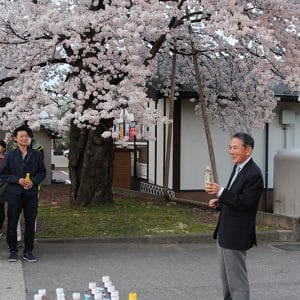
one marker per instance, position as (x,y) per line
(242,172)
(232,174)
(28,156)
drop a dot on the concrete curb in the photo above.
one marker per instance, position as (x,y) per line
(150,239)
(262,236)
(290,225)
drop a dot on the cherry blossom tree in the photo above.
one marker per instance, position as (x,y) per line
(244,49)
(78,64)
(92,52)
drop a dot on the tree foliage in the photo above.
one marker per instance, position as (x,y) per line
(85,61)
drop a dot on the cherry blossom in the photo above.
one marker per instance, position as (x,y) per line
(78,64)
(85,60)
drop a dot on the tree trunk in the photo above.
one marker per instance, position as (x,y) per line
(90,165)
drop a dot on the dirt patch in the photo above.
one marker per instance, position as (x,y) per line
(206,216)
(57,194)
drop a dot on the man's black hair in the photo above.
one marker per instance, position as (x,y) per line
(3,144)
(23,128)
(246,138)
(30,132)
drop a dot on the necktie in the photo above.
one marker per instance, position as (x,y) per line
(237,170)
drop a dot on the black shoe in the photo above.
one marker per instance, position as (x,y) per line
(29,257)
(13,256)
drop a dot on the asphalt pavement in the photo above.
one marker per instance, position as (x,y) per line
(186,271)
(60,174)
(161,271)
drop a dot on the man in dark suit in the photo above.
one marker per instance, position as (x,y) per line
(237,203)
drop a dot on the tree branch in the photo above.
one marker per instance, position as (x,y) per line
(42,64)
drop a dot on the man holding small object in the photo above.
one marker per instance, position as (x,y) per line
(22,191)
(237,203)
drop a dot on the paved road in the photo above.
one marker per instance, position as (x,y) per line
(154,271)
(60,174)
(12,285)
(59,161)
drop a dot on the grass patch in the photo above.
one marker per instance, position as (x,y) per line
(265,228)
(121,218)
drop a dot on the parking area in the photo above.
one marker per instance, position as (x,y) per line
(60,171)
(158,271)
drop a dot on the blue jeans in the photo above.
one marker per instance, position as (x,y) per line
(29,205)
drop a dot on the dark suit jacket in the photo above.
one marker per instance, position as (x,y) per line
(238,207)
(14,168)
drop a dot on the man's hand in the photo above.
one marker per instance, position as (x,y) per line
(25,184)
(28,185)
(22,182)
(212,188)
(214,203)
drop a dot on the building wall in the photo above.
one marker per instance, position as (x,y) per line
(194,154)
(160,148)
(194,151)
(283,136)
(157,151)
(152,165)
(170,185)
(45,140)
(151,160)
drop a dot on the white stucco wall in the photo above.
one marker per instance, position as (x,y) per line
(194,157)
(151,160)
(160,149)
(171,154)
(194,154)
(280,137)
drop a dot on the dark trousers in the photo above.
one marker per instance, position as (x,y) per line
(29,205)
(2,215)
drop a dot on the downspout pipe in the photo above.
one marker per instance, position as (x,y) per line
(266,194)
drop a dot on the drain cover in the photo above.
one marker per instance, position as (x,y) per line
(288,247)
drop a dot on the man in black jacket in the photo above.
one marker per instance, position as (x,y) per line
(235,231)
(22,194)
(36,145)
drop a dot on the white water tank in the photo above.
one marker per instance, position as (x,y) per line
(286,200)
